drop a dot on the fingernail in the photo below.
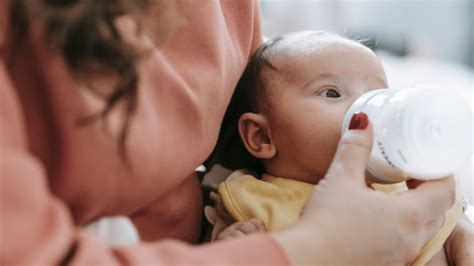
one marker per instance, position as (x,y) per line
(359,121)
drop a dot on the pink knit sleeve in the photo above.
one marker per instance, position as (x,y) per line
(210,94)
(252,250)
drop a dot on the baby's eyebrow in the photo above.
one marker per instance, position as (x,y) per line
(321,76)
(325,75)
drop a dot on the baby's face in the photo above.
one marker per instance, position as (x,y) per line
(309,98)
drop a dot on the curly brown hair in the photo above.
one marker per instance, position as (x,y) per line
(84,33)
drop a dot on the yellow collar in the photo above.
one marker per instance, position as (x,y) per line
(277,201)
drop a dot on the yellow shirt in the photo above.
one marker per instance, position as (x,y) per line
(279,202)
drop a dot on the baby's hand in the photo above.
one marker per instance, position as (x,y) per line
(240,229)
(224,226)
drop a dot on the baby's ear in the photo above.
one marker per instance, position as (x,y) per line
(255,134)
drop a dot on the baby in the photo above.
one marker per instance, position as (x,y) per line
(283,124)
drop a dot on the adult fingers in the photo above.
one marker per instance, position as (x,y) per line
(430,199)
(353,151)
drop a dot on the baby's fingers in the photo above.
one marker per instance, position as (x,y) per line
(220,208)
(240,229)
(252,225)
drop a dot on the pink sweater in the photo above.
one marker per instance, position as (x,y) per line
(56,177)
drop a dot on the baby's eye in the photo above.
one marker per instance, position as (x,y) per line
(330,93)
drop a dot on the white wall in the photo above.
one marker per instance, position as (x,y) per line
(441,29)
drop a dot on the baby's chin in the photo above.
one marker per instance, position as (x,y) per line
(311,176)
(316,177)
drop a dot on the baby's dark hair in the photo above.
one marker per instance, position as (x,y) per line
(250,95)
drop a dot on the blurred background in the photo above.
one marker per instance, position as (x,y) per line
(433,29)
(420,42)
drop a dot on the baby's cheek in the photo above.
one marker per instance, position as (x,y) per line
(324,155)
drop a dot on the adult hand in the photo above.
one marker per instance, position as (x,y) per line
(346,223)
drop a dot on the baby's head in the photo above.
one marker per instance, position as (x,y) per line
(289,104)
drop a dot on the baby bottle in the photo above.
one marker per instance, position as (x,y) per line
(419,133)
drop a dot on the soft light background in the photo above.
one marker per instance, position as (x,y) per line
(419,42)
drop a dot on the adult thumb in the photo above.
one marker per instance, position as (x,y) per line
(353,150)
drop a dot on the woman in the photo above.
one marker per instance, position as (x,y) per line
(107,109)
